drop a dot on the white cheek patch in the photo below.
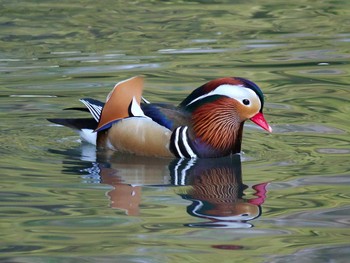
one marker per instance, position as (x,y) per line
(237,92)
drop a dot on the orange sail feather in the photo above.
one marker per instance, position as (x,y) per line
(119,99)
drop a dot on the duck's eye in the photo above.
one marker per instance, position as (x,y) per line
(246,102)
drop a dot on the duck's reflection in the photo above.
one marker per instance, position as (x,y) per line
(213,186)
(216,192)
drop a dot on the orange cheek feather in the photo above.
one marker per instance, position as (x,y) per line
(217,122)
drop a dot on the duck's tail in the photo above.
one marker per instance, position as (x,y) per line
(76,124)
(84,126)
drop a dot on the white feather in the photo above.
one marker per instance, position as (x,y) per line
(237,92)
(136,109)
(88,135)
(176,142)
(95,110)
(145,101)
(185,142)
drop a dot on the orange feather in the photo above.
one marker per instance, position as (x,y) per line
(119,99)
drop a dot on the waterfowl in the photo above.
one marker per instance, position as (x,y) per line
(206,124)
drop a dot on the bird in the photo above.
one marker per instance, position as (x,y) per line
(208,123)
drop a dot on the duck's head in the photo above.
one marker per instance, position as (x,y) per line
(219,109)
(237,97)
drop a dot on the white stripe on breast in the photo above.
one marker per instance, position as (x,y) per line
(185,141)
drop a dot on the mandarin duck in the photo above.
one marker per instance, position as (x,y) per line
(208,123)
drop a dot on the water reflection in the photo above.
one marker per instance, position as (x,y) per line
(217,192)
(213,186)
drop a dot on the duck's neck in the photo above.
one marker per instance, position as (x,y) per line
(217,125)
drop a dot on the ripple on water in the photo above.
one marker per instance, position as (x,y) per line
(333,151)
(84,223)
(323,254)
(307,128)
(19,248)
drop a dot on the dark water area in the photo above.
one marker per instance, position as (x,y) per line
(285,198)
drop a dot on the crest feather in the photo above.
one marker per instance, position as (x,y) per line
(208,87)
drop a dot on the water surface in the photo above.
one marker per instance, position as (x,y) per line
(285,199)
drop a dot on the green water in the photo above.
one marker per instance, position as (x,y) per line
(288,198)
